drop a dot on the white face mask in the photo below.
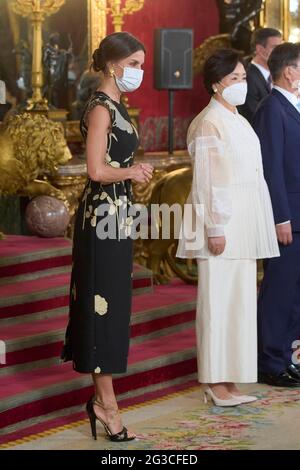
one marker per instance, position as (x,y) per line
(131,80)
(235,94)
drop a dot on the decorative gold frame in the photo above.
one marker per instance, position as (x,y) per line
(97,24)
(96,27)
(284,17)
(97,18)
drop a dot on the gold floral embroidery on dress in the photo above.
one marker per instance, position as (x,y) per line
(101,305)
(113,206)
(111,162)
(127,225)
(73,292)
(92,103)
(87,191)
(89,214)
(120,121)
(135,130)
(128,159)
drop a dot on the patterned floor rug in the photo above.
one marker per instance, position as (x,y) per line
(181,421)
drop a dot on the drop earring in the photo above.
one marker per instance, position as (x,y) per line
(111,73)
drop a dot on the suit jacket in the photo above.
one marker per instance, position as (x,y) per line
(277,124)
(257,90)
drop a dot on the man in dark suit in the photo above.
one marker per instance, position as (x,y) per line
(258,74)
(277,124)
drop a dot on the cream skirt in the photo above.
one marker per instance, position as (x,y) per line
(226,320)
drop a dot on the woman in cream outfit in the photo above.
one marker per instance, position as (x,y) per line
(239,228)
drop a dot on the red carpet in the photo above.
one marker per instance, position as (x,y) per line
(33,315)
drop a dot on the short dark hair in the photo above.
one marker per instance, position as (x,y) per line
(261,36)
(218,65)
(282,56)
(114,47)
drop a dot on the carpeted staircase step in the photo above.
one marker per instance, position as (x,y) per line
(30,257)
(33,296)
(142,280)
(51,292)
(170,307)
(39,392)
(27,258)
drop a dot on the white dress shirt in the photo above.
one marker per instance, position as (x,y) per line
(264,72)
(291,97)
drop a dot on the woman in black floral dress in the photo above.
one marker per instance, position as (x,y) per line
(97,336)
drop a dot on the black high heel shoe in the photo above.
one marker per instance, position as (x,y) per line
(121,436)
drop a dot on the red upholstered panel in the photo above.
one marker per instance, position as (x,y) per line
(200,15)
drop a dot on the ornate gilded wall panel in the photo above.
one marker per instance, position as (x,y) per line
(283,15)
(96,23)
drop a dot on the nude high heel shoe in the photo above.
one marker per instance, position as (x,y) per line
(245,398)
(207,391)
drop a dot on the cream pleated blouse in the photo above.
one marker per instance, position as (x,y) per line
(229,185)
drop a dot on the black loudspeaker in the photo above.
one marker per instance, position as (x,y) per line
(173,59)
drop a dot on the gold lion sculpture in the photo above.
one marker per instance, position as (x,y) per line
(172,188)
(31,149)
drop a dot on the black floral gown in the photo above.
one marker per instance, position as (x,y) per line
(97,335)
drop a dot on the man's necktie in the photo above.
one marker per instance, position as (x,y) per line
(269,83)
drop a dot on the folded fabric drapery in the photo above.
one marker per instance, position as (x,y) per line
(211,179)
